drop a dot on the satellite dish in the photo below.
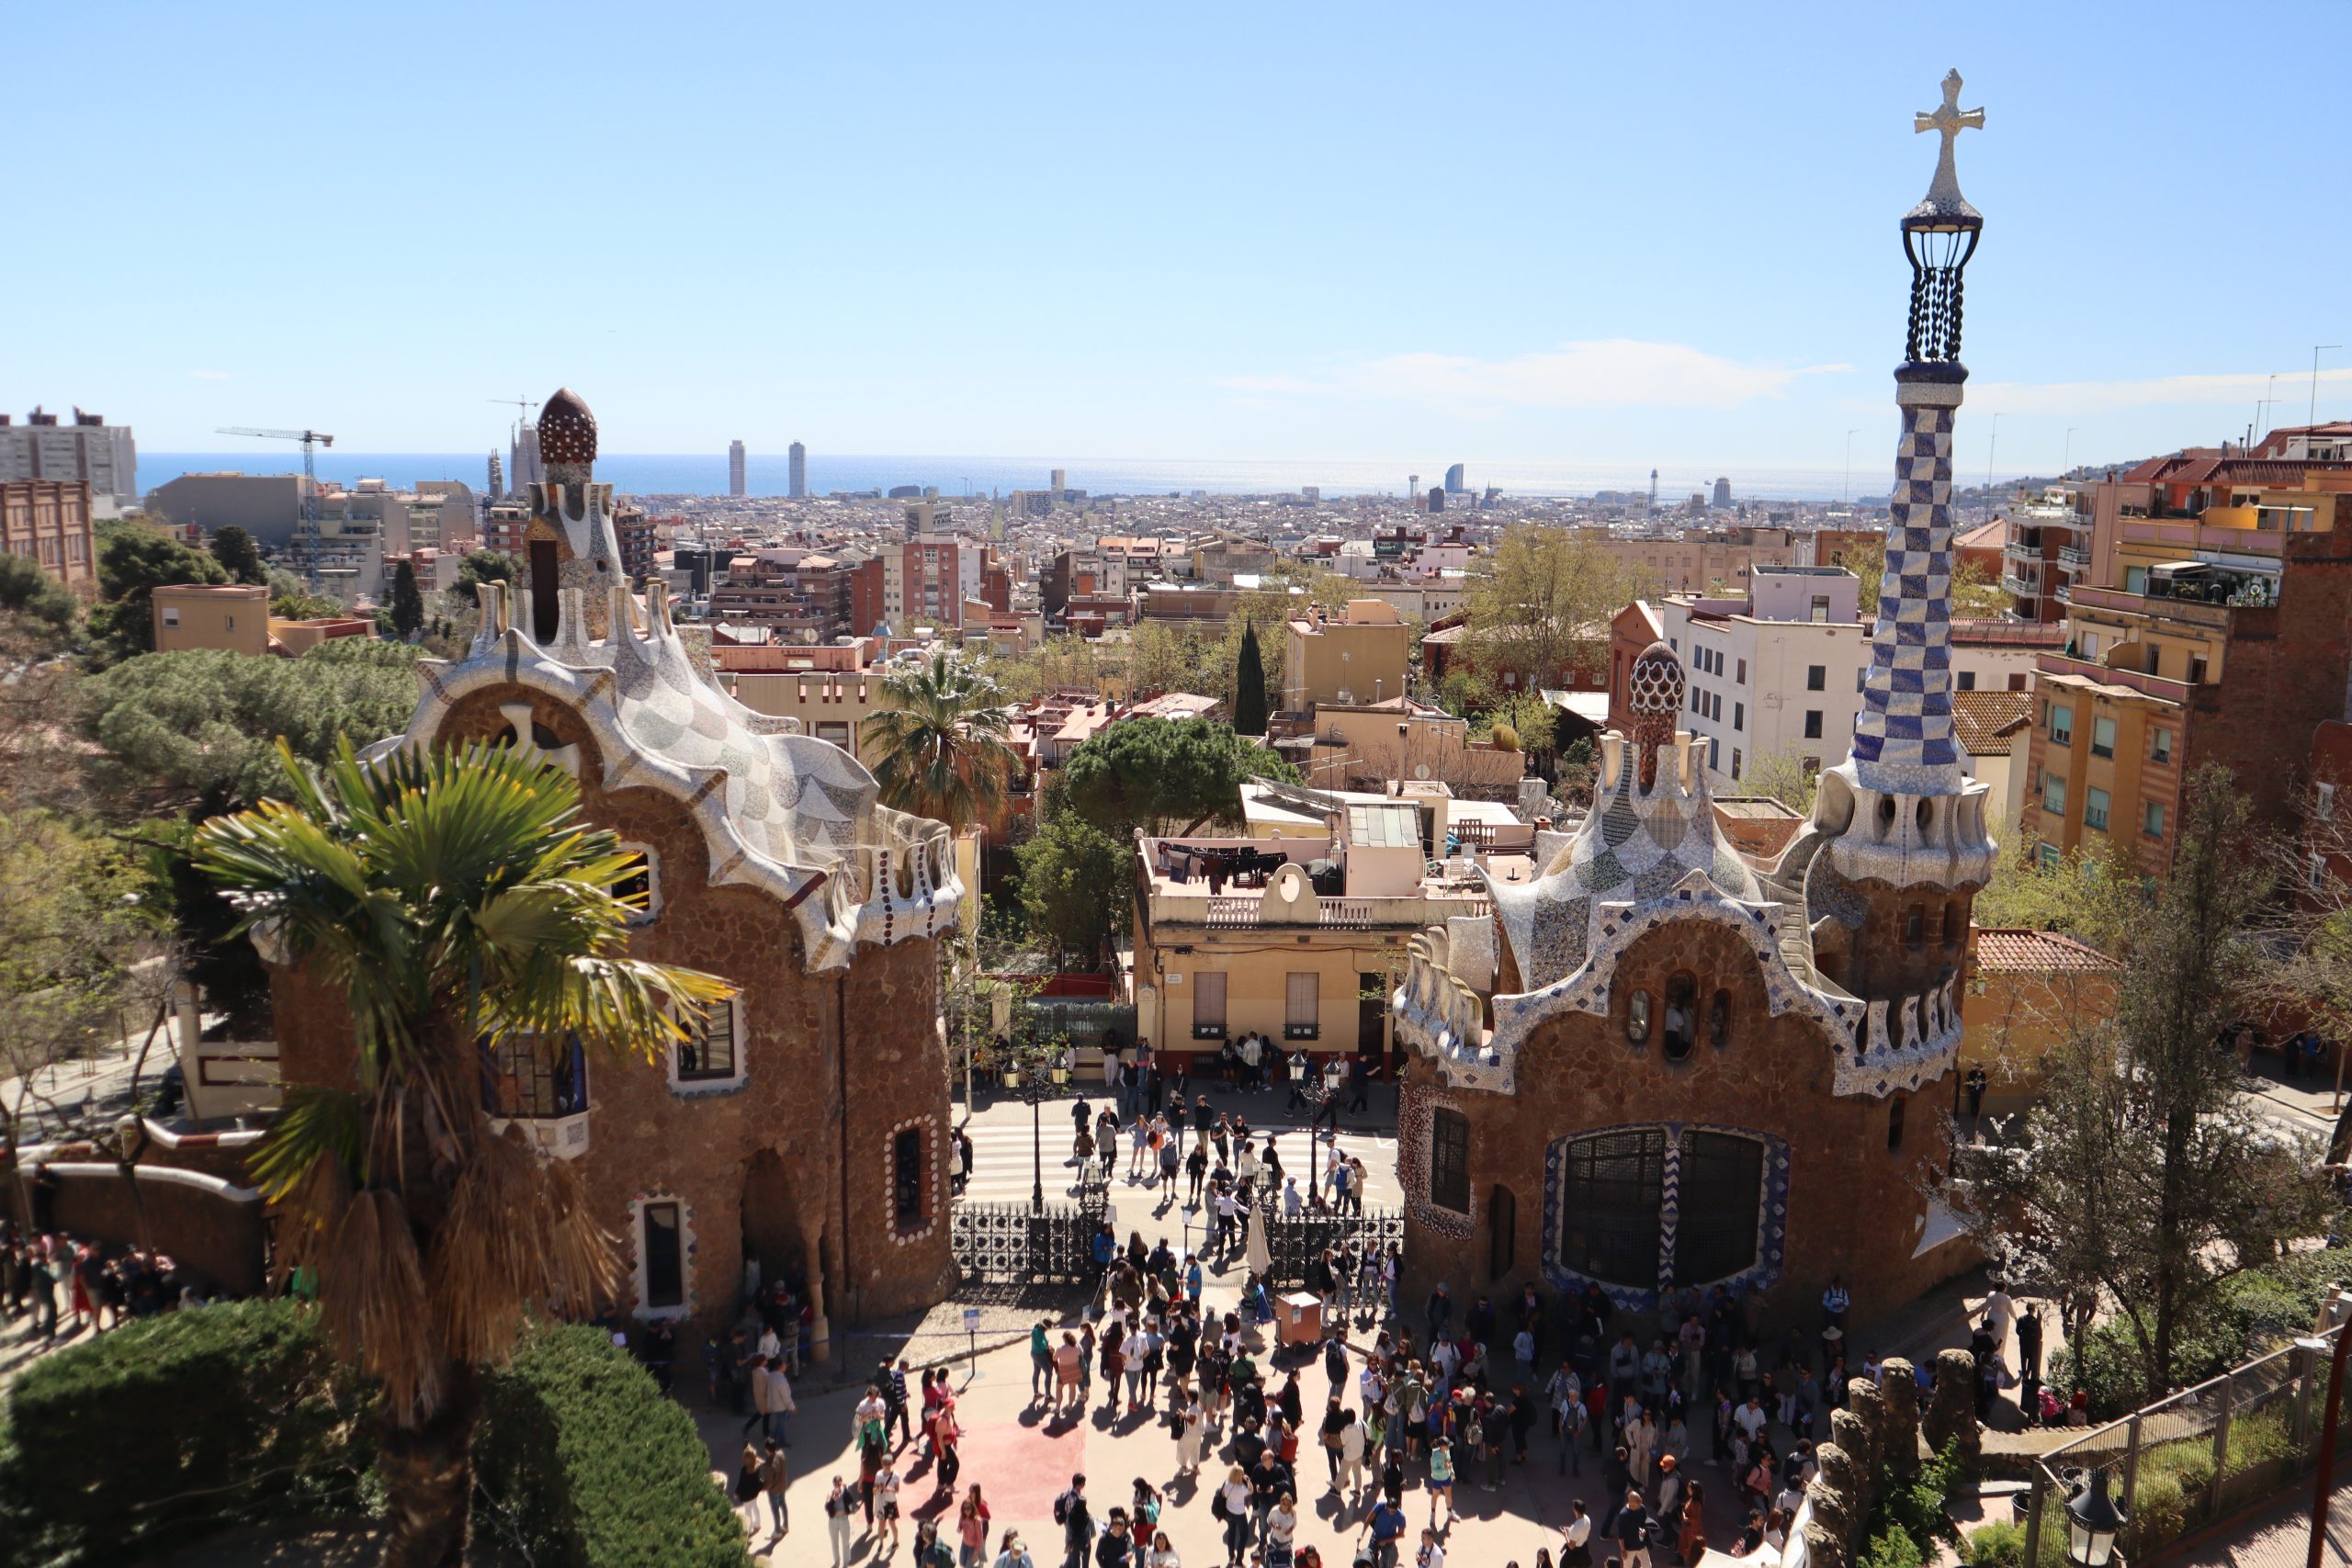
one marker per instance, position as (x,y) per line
(1420,770)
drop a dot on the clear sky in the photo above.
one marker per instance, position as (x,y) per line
(1539,231)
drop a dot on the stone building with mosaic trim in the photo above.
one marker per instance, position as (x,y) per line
(806,1126)
(1661,1064)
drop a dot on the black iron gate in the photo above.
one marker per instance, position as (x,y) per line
(1013,1243)
(1295,1241)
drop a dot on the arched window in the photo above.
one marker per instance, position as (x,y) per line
(1638,1018)
(1914,924)
(1894,1122)
(910,1180)
(1450,1160)
(1681,1015)
(1955,922)
(1719,1020)
(1502,1231)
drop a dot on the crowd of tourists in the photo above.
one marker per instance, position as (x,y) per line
(1477,1390)
(61,1285)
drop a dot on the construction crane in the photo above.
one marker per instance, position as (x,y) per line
(306,532)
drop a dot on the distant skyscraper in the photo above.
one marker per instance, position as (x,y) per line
(1653,490)
(735,468)
(1437,498)
(1413,488)
(1058,477)
(1722,493)
(799,485)
(1453,479)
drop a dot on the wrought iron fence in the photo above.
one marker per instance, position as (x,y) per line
(1295,1241)
(1014,1242)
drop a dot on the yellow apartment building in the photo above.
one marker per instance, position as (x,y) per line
(1360,657)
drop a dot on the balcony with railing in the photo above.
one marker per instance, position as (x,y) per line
(2156,686)
(540,1085)
(2074,555)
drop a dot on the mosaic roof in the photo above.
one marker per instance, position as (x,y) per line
(1637,843)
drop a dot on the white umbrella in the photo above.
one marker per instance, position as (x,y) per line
(1254,1252)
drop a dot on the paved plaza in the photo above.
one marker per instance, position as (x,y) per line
(1022,1455)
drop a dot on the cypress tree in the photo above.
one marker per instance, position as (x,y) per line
(1249,686)
(408,604)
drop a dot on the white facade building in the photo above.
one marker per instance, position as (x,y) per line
(1784,671)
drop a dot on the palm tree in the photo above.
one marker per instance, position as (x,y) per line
(939,746)
(456,899)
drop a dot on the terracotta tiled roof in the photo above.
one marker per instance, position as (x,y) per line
(1984,720)
(2006,950)
(1984,535)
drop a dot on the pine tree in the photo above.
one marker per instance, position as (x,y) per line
(236,550)
(408,604)
(1249,686)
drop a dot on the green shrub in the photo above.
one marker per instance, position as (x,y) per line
(2252,1313)
(176,1427)
(2000,1544)
(172,1426)
(583,1459)
(2162,1505)
(2258,1438)
(1891,1549)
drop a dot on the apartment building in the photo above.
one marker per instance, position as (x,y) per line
(1696,561)
(49,520)
(2211,625)
(89,451)
(1783,670)
(1360,656)
(2048,547)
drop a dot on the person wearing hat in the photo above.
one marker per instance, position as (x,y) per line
(1833,1343)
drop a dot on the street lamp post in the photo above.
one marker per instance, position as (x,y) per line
(2092,1522)
(1034,1093)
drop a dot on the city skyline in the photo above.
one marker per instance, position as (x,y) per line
(1273,266)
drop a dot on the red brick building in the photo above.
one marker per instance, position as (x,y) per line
(807,1128)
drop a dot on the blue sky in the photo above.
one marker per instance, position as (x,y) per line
(1562,231)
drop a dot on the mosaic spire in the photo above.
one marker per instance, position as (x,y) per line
(1905,742)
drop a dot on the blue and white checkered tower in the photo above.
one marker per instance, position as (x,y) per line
(1905,811)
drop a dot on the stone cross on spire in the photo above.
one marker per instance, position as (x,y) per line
(1943,193)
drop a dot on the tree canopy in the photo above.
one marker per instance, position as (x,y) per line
(134,559)
(2143,1178)
(1165,775)
(198,727)
(1249,687)
(40,608)
(408,604)
(937,745)
(1541,605)
(239,556)
(1075,882)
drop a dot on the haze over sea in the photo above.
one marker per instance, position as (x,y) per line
(706,474)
